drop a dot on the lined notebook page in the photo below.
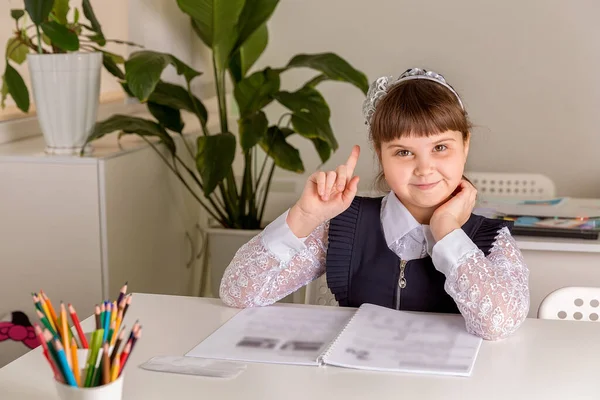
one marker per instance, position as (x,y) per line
(383,339)
(275,334)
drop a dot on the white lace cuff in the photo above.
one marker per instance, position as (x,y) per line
(447,252)
(280,240)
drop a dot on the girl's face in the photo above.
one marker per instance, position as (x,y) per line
(424,171)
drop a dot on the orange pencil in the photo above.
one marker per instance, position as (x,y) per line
(75,362)
(50,308)
(75,319)
(65,333)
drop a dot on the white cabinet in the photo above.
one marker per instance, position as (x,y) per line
(79,227)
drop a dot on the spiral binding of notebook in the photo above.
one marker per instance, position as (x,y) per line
(321,360)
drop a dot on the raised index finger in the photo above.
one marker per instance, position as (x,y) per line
(352,160)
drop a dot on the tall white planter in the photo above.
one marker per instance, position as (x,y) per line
(66,90)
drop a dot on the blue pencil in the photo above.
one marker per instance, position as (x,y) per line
(64,365)
(106,321)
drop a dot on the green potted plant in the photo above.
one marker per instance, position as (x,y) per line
(64,54)
(236,32)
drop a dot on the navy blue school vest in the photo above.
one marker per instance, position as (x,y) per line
(362,269)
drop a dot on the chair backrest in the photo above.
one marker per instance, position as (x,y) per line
(572,303)
(500,184)
(318,293)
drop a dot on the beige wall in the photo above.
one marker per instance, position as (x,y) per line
(527,72)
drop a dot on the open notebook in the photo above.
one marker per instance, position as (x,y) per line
(372,337)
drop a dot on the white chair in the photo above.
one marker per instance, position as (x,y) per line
(571,303)
(318,293)
(500,184)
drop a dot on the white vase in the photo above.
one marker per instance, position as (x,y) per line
(66,90)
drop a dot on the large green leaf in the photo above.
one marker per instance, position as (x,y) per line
(61,36)
(17,14)
(252,129)
(248,53)
(111,66)
(216,22)
(88,11)
(174,96)
(16,88)
(132,125)
(60,10)
(38,10)
(16,50)
(255,14)
(168,117)
(333,66)
(323,149)
(144,68)
(283,154)
(214,159)
(256,91)
(310,114)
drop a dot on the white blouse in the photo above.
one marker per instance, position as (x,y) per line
(492,292)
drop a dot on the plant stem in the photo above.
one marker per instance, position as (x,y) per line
(206,207)
(197,180)
(39,36)
(229,193)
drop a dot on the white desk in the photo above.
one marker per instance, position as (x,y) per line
(544,360)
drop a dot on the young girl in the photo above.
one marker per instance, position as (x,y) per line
(418,248)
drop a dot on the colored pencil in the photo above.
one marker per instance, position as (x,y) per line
(116,368)
(115,350)
(50,317)
(75,362)
(127,304)
(105,365)
(122,293)
(46,323)
(75,319)
(97,315)
(65,333)
(67,373)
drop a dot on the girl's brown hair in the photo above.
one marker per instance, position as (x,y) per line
(416,108)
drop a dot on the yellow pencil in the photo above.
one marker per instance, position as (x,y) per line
(75,361)
(50,308)
(114,373)
(117,327)
(113,314)
(64,333)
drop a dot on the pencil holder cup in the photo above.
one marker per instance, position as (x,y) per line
(109,391)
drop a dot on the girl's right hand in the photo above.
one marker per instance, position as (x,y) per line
(325,196)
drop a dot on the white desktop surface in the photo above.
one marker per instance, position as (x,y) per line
(544,360)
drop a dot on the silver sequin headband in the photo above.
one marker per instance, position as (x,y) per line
(382,86)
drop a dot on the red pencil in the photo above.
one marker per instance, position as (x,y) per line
(75,319)
(124,356)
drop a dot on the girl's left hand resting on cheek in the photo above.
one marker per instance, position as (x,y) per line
(455,212)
